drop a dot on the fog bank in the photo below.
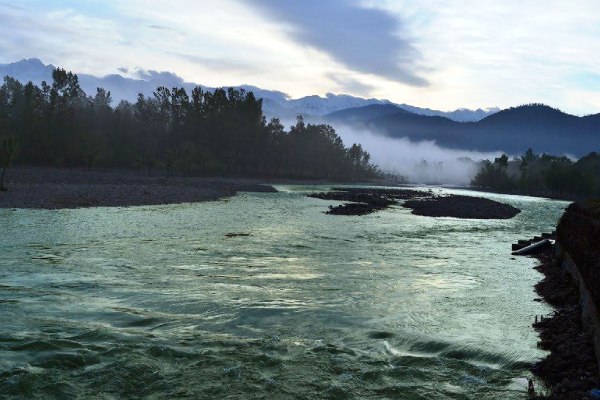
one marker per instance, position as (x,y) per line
(419,162)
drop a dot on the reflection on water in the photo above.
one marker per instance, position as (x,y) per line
(264,296)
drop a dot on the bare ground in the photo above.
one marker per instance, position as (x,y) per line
(55,188)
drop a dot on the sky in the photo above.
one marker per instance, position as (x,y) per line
(442,54)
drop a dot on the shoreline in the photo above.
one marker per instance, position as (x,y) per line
(548,196)
(51,188)
(570,369)
(61,188)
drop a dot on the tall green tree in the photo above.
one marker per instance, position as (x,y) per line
(221,132)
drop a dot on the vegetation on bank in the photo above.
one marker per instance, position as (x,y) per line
(542,175)
(201,133)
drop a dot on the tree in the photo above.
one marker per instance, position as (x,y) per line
(494,175)
(544,175)
(221,132)
(502,161)
(102,99)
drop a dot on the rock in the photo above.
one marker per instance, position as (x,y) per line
(462,207)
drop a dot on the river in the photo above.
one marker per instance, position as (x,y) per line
(264,296)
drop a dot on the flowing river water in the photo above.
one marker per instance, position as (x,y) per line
(264,296)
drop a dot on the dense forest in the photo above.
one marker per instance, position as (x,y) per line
(542,175)
(223,132)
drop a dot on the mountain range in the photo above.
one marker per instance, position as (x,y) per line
(275,103)
(514,130)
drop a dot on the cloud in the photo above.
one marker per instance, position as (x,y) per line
(162,28)
(503,53)
(468,53)
(158,76)
(5,4)
(350,85)
(366,40)
(221,64)
(52,37)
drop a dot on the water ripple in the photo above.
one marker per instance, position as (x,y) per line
(179,302)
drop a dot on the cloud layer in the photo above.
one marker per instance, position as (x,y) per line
(364,39)
(441,54)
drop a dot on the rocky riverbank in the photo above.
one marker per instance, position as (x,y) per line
(426,203)
(56,188)
(570,370)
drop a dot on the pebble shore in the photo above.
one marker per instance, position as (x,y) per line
(57,188)
(570,370)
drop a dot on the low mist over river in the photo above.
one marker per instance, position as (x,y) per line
(418,161)
(263,295)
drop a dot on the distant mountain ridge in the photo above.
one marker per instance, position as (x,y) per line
(275,103)
(514,130)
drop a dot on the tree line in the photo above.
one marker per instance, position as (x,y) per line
(220,132)
(542,175)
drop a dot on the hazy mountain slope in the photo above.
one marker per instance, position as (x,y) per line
(364,114)
(461,114)
(28,70)
(512,130)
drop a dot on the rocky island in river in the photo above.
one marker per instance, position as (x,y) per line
(367,200)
